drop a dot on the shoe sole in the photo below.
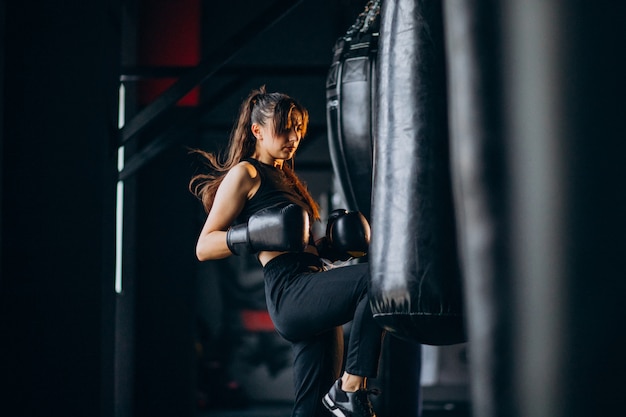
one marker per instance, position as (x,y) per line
(328,403)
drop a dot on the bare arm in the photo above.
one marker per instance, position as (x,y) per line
(238,186)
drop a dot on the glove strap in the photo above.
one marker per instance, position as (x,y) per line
(237,239)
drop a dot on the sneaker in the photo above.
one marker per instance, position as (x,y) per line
(349,404)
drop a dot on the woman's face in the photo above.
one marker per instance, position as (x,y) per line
(279,146)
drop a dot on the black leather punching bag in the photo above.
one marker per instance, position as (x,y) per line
(350,99)
(481,183)
(415,287)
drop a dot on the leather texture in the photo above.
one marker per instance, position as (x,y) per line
(349,232)
(481,184)
(276,228)
(347,236)
(350,101)
(416,289)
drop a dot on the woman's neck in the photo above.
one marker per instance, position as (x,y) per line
(276,163)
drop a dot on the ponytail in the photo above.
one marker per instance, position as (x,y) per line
(241,145)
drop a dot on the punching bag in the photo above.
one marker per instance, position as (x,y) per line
(480,187)
(349,109)
(537,106)
(351,101)
(415,289)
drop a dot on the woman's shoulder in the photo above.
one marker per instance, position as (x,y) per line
(245,169)
(243,174)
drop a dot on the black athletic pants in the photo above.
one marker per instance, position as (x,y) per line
(308,304)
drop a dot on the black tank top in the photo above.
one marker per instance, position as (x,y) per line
(275,188)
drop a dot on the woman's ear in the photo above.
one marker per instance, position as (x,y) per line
(256,130)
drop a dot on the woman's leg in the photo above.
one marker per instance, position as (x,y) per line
(364,344)
(313,303)
(303,306)
(317,364)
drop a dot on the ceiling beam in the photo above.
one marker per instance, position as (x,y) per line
(130,74)
(198,75)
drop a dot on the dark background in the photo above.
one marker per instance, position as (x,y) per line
(71,345)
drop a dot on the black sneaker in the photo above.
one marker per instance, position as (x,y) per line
(349,404)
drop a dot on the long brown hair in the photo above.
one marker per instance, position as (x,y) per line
(259,107)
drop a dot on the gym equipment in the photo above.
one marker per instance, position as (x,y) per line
(278,228)
(350,100)
(481,184)
(347,236)
(416,288)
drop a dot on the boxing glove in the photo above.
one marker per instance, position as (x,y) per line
(347,236)
(281,227)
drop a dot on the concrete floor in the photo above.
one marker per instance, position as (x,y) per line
(284,410)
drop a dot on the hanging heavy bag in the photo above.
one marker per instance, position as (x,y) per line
(415,287)
(479,172)
(350,99)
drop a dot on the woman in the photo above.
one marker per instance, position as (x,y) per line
(306,302)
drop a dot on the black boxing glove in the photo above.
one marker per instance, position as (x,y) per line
(281,227)
(347,236)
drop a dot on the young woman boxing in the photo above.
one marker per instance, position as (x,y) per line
(256,204)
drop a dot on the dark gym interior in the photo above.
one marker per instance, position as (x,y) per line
(104,309)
